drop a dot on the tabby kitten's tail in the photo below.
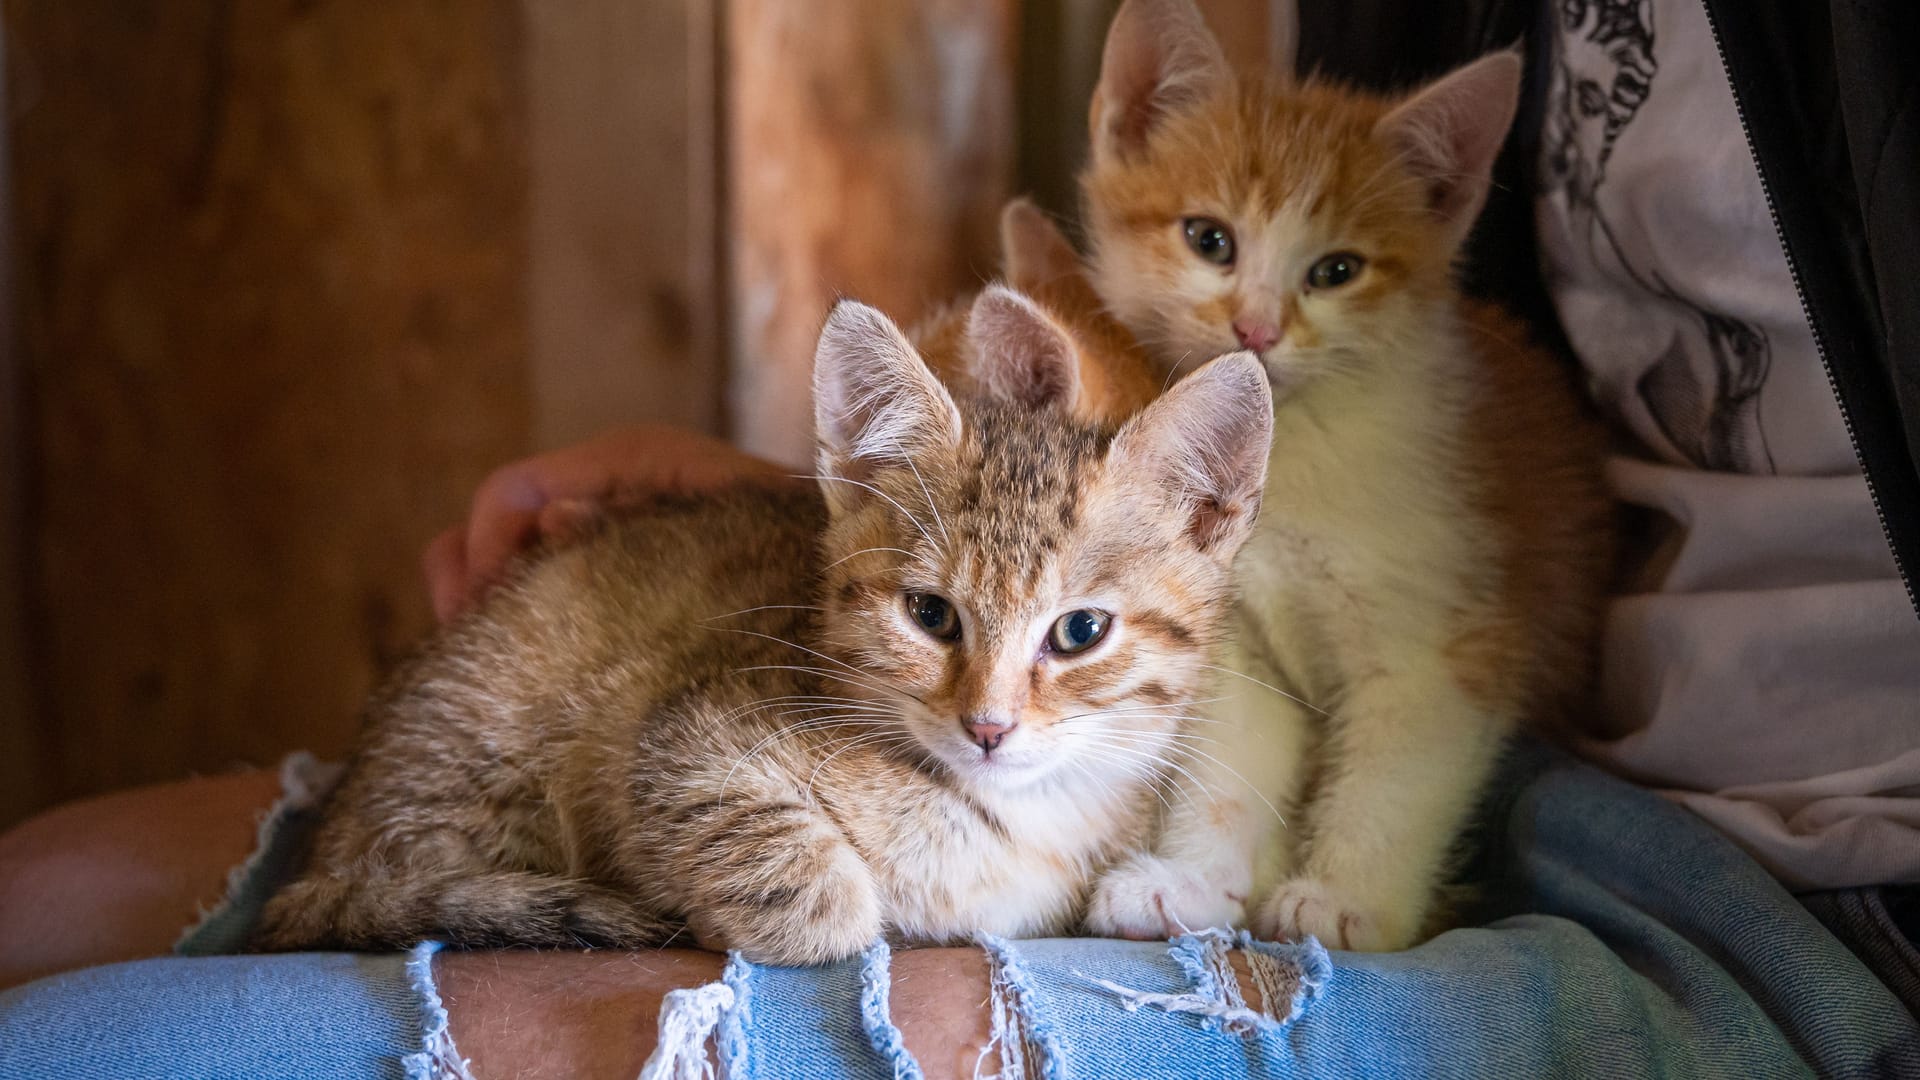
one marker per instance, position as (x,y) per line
(485,909)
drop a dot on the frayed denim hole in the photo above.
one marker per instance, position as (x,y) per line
(437,1058)
(876,1012)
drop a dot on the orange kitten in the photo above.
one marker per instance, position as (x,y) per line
(1427,574)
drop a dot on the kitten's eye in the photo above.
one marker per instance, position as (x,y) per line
(1335,270)
(1210,240)
(1078,631)
(935,615)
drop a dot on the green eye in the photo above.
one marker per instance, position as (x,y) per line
(1210,240)
(1078,631)
(934,615)
(1335,270)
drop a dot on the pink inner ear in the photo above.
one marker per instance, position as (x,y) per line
(1019,354)
(1453,130)
(1130,77)
(1159,55)
(1212,521)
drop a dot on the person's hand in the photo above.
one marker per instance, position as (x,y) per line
(547,494)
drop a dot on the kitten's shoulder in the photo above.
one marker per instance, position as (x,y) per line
(671,552)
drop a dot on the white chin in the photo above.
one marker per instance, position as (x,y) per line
(998,770)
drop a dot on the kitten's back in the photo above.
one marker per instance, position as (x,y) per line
(1534,449)
(514,724)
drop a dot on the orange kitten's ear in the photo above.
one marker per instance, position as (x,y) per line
(1451,131)
(1033,251)
(1019,353)
(875,403)
(1205,441)
(1159,57)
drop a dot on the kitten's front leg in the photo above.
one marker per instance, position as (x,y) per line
(1230,796)
(778,880)
(1407,758)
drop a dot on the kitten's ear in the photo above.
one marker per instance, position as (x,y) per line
(1205,443)
(1033,252)
(1451,131)
(1160,56)
(1019,353)
(875,402)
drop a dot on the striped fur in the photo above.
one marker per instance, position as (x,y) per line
(718,713)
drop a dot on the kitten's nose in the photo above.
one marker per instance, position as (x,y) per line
(988,732)
(1254,334)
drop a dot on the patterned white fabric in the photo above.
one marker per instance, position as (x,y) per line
(1762,663)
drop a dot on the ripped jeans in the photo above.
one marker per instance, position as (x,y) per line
(1622,937)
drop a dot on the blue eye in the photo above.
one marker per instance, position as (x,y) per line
(934,615)
(1078,631)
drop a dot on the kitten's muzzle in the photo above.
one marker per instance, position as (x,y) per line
(988,731)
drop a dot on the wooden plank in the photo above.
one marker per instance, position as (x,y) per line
(1060,44)
(271,311)
(20,763)
(869,149)
(622,290)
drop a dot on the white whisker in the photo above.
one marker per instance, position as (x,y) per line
(911,520)
(1295,698)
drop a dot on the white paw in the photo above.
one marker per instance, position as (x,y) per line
(1304,906)
(1148,898)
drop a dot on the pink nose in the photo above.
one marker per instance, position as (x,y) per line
(1254,335)
(988,732)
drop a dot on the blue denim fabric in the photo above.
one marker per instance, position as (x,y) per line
(1623,938)
(1869,921)
(1635,941)
(301,1017)
(1646,945)
(802,1023)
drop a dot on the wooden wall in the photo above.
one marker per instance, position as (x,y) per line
(869,153)
(288,277)
(271,328)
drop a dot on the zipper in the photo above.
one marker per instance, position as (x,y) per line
(1806,309)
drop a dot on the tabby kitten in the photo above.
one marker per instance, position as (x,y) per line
(931,700)
(1430,575)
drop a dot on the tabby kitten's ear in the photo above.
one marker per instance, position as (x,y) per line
(875,403)
(1450,132)
(1019,354)
(1160,56)
(1204,444)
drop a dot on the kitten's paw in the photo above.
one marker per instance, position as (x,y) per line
(792,921)
(1148,898)
(1304,906)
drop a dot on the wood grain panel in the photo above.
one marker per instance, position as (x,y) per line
(1060,44)
(869,150)
(271,317)
(20,762)
(623,292)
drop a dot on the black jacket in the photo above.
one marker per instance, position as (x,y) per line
(1830,101)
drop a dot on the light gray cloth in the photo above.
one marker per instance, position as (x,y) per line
(1762,663)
